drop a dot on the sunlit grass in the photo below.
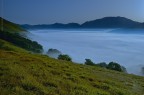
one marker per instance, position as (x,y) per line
(23,73)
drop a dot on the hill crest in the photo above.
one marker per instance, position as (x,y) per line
(106,22)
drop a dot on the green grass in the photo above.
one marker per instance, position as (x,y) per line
(9,26)
(12,32)
(22,42)
(23,73)
(4,45)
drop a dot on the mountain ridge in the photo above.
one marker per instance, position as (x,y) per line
(111,22)
(106,22)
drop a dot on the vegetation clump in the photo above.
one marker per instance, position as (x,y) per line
(102,64)
(54,53)
(22,42)
(64,57)
(112,65)
(89,62)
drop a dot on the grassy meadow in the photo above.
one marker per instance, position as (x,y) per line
(25,73)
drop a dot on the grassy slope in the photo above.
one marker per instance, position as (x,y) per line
(9,26)
(11,32)
(22,73)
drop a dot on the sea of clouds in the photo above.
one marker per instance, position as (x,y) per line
(99,45)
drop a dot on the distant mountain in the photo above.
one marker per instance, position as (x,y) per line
(106,22)
(55,25)
(69,25)
(111,22)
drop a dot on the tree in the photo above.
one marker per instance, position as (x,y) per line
(114,66)
(64,57)
(102,64)
(89,62)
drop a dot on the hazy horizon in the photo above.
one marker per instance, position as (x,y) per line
(70,22)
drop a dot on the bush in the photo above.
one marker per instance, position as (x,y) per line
(114,66)
(102,64)
(89,62)
(64,57)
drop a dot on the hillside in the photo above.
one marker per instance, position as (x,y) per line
(26,73)
(9,26)
(12,33)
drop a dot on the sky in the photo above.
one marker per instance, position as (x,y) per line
(66,11)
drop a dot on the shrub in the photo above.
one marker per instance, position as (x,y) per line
(114,66)
(89,62)
(64,57)
(102,64)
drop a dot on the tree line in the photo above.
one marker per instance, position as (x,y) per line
(22,42)
(111,65)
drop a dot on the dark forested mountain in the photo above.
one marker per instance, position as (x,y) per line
(111,22)
(55,25)
(69,25)
(106,22)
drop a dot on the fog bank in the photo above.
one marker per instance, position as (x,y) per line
(99,45)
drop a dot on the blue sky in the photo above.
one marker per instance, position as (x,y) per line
(65,11)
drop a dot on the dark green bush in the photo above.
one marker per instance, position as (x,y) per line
(102,64)
(114,66)
(89,62)
(64,57)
